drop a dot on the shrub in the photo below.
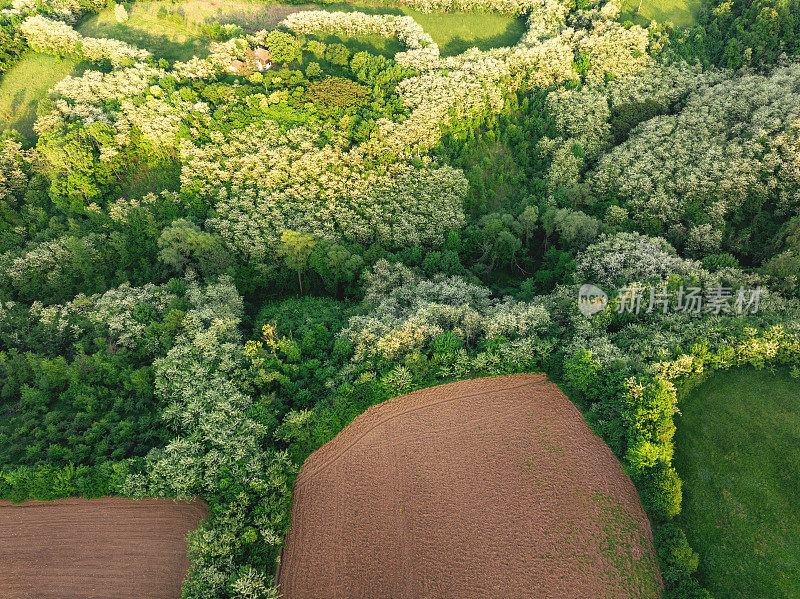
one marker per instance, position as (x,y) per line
(120,13)
(680,585)
(673,549)
(446,343)
(336,93)
(338,54)
(579,370)
(313,70)
(283,47)
(716,262)
(660,491)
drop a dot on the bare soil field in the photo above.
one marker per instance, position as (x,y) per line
(100,548)
(492,487)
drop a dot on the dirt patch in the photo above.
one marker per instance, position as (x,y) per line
(100,548)
(492,487)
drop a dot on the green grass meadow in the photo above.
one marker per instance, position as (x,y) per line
(738,453)
(25,84)
(163,37)
(680,13)
(454,32)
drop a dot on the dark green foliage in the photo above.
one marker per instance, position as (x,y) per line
(46,483)
(83,411)
(556,267)
(309,353)
(717,261)
(296,317)
(446,262)
(627,116)
(446,344)
(735,33)
(499,154)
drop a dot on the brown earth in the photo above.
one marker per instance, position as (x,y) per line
(95,548)
(490,488)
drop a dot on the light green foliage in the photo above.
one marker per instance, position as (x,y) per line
(579,370)
(661,491)
(313,70)
(282,47)
(337,54)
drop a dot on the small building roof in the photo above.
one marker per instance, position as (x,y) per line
(261,54)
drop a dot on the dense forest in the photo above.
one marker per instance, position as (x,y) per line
(208,269)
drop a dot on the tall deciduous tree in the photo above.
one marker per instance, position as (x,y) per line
(296,249)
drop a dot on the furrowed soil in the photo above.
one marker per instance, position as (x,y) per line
(491,487)
(100,548)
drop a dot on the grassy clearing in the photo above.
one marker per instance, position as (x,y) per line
(737,451)
(454,32)
(164,38)
(680,13)
(457,32)
(24,85)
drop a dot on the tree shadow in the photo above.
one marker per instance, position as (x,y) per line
(18,101)
(369,10)
(159,44)
(510,36)
(388,46)
(268,17)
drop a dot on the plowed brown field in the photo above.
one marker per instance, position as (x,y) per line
(490,488)
(100,548)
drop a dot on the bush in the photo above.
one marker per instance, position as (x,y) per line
(715,262)
(338,54)
(47,483)
(679,585)
(313,70)
(446,343)
(660,491)
(579,370)
(336,93)
(673,549)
